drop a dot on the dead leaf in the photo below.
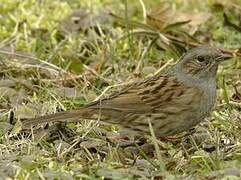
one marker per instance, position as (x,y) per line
(196,19)
(80,21)
(4,127)
(68,92)
(7,83)
(7,92)
(164,16)
(159,16)
(92,143)
(15,97)
(61,145)
(40,134)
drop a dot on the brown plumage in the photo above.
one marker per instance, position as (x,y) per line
(173,102)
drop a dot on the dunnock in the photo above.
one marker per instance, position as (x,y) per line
(173,102)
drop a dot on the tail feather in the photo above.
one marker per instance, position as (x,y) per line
(72,115)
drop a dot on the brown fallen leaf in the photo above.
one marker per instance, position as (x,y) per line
(92,143)
(15,97)
(165,17)
(196,20)
(80,21)
(158,17)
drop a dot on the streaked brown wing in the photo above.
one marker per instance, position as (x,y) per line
(146,96)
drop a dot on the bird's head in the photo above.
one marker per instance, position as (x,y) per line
(201,62)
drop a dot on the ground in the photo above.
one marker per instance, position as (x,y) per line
(57,55)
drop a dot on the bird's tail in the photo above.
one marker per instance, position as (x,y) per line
(71,115)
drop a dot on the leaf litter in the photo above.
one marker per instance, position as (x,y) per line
(97,150)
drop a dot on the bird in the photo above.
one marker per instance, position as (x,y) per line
(173,102)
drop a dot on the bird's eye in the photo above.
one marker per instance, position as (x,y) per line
(200,59)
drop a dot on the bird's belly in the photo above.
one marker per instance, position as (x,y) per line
(174,123)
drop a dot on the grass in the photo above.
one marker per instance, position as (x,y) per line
(49,63)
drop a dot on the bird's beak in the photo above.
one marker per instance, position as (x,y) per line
(224,57)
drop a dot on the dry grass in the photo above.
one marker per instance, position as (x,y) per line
(52,62)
